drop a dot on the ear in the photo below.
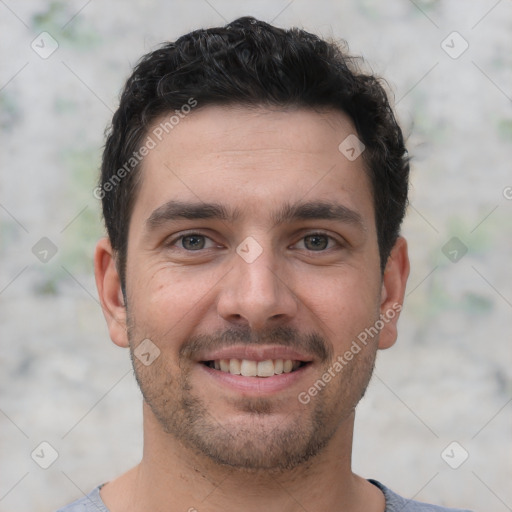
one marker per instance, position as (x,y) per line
(110,293)
(394,280)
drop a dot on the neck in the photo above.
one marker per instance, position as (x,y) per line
(174,477)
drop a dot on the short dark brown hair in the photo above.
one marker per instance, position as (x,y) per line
(252,63)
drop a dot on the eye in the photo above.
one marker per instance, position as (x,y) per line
(318,242)
(192,242)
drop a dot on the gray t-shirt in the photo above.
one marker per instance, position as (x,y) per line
(394,503)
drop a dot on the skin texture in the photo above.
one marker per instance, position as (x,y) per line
(206,444)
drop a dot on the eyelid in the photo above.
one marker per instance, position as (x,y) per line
(171,241)
(339,241)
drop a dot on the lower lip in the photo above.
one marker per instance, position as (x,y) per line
(256,385)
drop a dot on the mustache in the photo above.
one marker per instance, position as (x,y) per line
(311,343)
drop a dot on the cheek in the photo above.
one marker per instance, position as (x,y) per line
(164,301)
(346,305)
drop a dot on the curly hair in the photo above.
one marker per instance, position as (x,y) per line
(252,63)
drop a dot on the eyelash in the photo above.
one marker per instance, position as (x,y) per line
(338,244)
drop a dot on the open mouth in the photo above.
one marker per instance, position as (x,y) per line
(248,368)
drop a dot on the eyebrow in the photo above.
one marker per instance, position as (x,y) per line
(315,210)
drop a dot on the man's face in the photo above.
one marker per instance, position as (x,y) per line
(279,280)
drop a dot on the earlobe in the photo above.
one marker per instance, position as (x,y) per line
(394,281)
(110,292)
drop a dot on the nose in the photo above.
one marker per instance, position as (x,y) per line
(257,293)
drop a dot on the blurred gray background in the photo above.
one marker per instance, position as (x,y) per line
(448,378)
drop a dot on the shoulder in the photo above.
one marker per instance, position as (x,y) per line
(395,503)
(92,502)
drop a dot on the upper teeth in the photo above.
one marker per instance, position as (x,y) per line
(248,368)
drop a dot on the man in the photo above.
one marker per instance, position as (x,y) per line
(253,186)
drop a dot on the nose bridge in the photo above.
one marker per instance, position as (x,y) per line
(255,293)
(258,279)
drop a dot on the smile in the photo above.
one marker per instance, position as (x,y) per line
(250,368)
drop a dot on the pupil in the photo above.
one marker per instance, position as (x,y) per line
(317,242)
(193,242)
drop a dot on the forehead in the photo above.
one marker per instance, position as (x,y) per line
(253,159)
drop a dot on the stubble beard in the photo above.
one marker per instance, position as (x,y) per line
(258,442)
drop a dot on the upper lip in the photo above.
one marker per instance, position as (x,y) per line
(254,353)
